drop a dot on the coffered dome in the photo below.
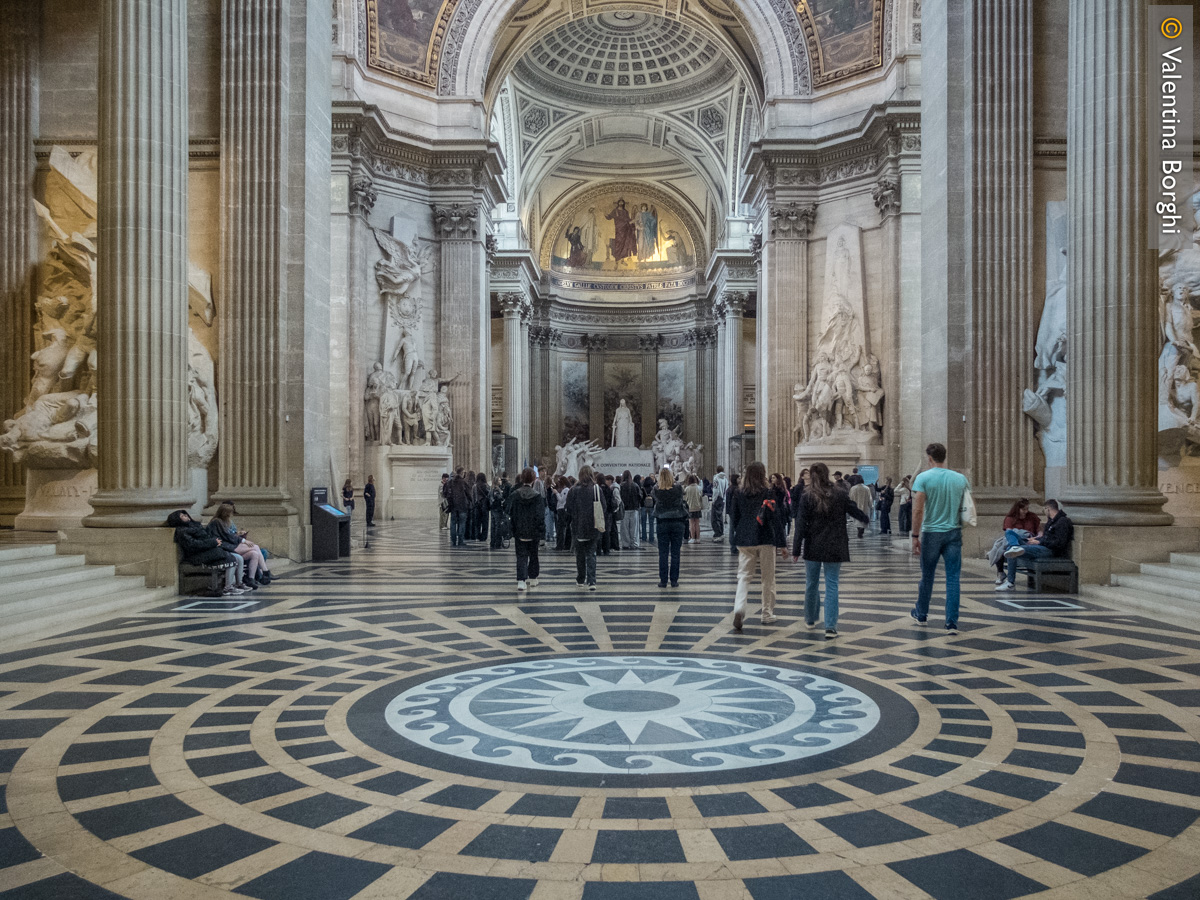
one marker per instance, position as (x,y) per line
(625,57)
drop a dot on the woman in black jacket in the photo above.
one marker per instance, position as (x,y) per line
(482,505)
(201,548)
(526,510)
(887,496)
(369,500)
(821,532)
(758,533)
(671,514)
(586,535)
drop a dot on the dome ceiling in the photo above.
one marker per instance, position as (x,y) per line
(625,57)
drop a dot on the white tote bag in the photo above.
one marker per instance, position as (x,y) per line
(598,510)
(966,514)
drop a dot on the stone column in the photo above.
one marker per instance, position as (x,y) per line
(19,41)
(359,299)
(708,399)
(524,380)
(539,390)
(734,306)
(691,397)
(720,452)
(649,344)
(512,304)
(597,344)
(1112,316)
(998,249)
(887,200)
(142,264)
(554,411)
(782,311)
(464,331)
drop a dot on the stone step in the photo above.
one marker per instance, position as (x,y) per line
(1152,584)
(80,592)
(32,565)
(1128,599)
(1190,560)
(1184,575)
(44,581)
(42,623)
(15,551)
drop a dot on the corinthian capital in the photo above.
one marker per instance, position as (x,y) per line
(456,221)
(887,197)
(362,197)
(512,303)
(792,221)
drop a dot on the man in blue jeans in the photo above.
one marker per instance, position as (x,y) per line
(937,532)
(1055,542)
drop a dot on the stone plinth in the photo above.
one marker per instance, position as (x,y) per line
(615,460)
(56,499)
(199,481)
(841,457)
(408,480)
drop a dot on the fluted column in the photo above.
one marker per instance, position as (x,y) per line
(465,339)
(691,394)
(783,355)
(539,389)
(142,264)
(887,200)
(1112,316)
(19,41)
(362,200)
(998,249)
(597,344)
(708,399)
(512,305)
(720,452)
(649,344)
(734,307)
(524,380)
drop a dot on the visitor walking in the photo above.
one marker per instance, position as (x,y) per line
(458,501)
(693,496)
(720,487)
(648,504)
(526,510)
(443,505)
(860,496)
(734,483)
(887,496)
(582,507)
(822,541)
(904,498)
(562,522)
(758,532)
(631,499)
(670,510)
(482,506)
(937,532)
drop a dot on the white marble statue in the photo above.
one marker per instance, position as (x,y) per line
(378,383)
(622,427)
(667,445)
(402,264)
(573,456)
(203,414)
(405,358)
(1047,403)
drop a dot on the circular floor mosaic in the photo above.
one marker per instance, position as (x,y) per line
(634,718)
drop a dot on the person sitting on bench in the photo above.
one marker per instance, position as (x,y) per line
(1055,542)
(200,548)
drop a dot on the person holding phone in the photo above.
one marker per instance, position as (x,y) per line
(235,541)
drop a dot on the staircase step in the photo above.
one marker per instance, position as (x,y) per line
(71,594)
(44,581)
(13,552)
(1128,599)
(1160,586)
(1190,560)
(42,623)
(19,568)
(1184,575)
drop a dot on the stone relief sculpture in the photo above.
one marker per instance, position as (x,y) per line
(378,383)
(1179,361)
(203,418)
(420,416)
(623,427)
(670,450)
(1046,404)
(843,397)
(573,456)
(56,429)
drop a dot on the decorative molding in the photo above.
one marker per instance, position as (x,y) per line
(887,197)
(427,74)
(821,75)
(362,197)
(623,286)
(756,248)
(649,343)
(456,222)
(596,342)
(793,221)
(490,247)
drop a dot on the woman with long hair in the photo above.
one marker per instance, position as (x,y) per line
(905,499)
(1019,518)
(581,508)
(671,513)
(526,509)
(821,538)
(694,498)
(348,496)
(758,534)
(222,527)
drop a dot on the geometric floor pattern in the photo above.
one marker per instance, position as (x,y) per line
(405,725)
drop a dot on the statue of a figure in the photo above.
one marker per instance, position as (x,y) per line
(57,432)
(48,363)
(405,355)
(377,384)
(622,427)
(203,432)
(402,265)
(410,417)
(803,404)
(1186,394)
(666,444)
(444,420)
(869,394)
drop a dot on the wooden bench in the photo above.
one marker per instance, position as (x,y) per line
(1037,570)
(215,575)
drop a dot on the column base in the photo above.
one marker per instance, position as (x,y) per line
(1129,507)
(56,499)
(136,508)
(150,552)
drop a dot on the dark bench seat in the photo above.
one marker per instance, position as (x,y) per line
(1055,568)
(214,575)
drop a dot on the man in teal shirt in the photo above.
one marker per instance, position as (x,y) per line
(937,532)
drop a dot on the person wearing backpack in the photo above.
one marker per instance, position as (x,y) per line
(631,501)
(758,533)
(526,510)
(670,510)
(588,506)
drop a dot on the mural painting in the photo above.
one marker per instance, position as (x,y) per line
(623,381)
(404,37)
(623,232)
(575,406)
(672,375)
(845,37)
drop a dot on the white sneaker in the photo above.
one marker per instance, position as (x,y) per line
(1013,552)
(1000,579)
(520,585)
(1007,586)
(768,619)
(533,582)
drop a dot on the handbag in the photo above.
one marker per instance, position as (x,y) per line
(598,510)
(966,514)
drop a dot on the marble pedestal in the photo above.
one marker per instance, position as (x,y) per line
(408,480)
(841,457)
(615,460)
(56,499)
(199,482)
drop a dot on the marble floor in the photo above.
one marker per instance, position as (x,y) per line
(406,725)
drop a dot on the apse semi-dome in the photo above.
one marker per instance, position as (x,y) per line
(623,57)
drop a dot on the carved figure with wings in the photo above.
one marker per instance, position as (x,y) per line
(402,265)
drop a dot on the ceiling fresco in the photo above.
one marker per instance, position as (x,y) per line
(845,37)
(404,37)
